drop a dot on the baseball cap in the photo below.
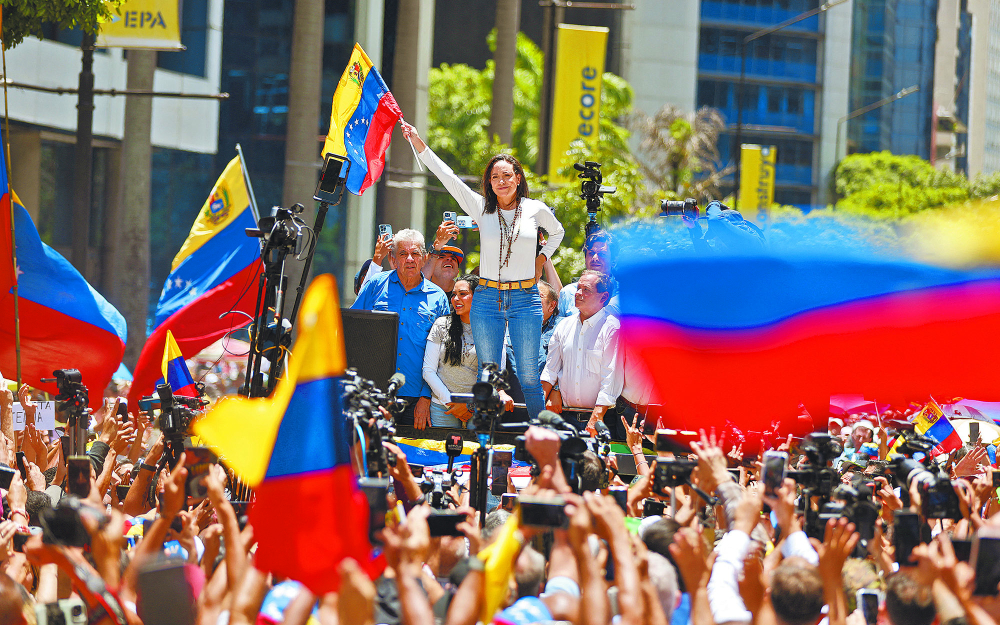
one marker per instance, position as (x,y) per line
(453,249)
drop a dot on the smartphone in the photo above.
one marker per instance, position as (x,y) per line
(985,560)
(620,494)
(416,469)
(868,603)
(735,473)
(963,549)
(449,216)
(68,611)
(79,475)
(544,512)
(198,461)
(166,596)
(653,507)
(773,471)
(122,490)
(442,523)
(502,460)
(384,231)
(464,221)
(906,536)
(973,432)
(663,442)
(996,478)
(23,468)
(123,409)
(6,475)
(508,501)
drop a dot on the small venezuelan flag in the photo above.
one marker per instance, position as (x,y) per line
(294,449)
(361,121)
(175,370)
(932,423)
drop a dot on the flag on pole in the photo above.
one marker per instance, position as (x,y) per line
(294,449)
(175,370)
(213,274)
(65,322)
(361,121)
(932,423)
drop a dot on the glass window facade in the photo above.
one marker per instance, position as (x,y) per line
(760,12)
(788,107)
(775,56)
(194,37)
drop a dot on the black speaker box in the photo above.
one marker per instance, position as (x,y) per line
(370,342)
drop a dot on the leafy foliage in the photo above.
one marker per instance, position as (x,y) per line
(894,186)
(25,18)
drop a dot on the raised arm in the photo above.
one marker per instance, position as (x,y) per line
(470,201)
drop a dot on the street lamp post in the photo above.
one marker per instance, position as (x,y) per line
(743,68)
(866,109)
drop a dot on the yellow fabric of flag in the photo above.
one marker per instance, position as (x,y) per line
(498,561)
(244,430)
(346,100)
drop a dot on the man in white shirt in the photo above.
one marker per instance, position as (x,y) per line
(583,353)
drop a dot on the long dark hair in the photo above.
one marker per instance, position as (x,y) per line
(491,197)
(453,344)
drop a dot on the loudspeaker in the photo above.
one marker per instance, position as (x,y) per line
(370,342)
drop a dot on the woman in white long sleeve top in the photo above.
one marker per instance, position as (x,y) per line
(450,363)
(507,297)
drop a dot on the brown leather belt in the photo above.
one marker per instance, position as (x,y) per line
(508,286)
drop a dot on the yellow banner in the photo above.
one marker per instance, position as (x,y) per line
(153,24)
(576,104)
(757,181)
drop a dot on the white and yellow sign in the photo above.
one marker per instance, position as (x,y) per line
(576,104)
(757,181)
(151,24)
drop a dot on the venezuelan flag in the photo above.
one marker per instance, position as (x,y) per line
(293,448)
(65,322)
(361,121)
(212,274)
(932,423)
(748,337)
(175,370)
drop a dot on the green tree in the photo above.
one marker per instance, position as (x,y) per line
(887,185)
(25,18)
(679,152)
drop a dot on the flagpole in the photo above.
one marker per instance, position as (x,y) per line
(10,193)
(246,180)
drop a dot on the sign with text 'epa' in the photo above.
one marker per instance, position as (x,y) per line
(151,24)
(45,416)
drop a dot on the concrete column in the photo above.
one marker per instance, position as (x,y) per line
(130,290)
(834,100)
(368,24)
(406,207)
(25,167)
(302,146)
(502,113)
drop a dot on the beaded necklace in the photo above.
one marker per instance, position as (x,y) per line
(508,232)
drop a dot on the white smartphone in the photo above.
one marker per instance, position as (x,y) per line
(772,472)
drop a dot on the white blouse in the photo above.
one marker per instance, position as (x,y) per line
(534,215)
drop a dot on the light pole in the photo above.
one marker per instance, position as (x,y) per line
(743,67)
(866,109)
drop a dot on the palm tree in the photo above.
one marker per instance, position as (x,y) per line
(679,152)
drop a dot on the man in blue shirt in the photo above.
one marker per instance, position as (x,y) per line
(418,302)
(597,256)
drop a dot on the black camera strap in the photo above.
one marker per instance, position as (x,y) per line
(105,599)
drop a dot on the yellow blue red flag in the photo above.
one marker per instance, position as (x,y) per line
(932,423)
(294,449)
(210,276)
(175,370)
(361,121)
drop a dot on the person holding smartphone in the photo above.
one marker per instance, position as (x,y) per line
(507,298)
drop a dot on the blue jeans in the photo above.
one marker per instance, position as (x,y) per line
(441,419)
(520,312)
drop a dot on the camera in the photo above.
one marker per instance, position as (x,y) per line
(679,208)
(486,395)
(362,400)
(282,229)
(938,499)
(671,473)
(63,525)
(62,612)
(592,191)
(73,395)
(176,414)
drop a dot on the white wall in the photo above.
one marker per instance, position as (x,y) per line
(183,124)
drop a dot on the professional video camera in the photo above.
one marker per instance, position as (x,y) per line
(687,207)
(938,499)
(486,403)
(176,414)
(592,191)
(362,401)
(818,479)
(62,524)
(571,450)
(855,504)
(72,400)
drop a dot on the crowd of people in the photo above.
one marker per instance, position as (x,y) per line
(860,522)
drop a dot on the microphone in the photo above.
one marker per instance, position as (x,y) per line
(547,417)
(396,382)
(602,430)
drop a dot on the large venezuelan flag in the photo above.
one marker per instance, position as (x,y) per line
(175,370)
(65,323)
(294,449)
(747,338)
(932,422)
(214,272)
(361,121)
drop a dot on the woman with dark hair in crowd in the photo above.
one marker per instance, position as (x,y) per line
(450,364)
(507,297)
